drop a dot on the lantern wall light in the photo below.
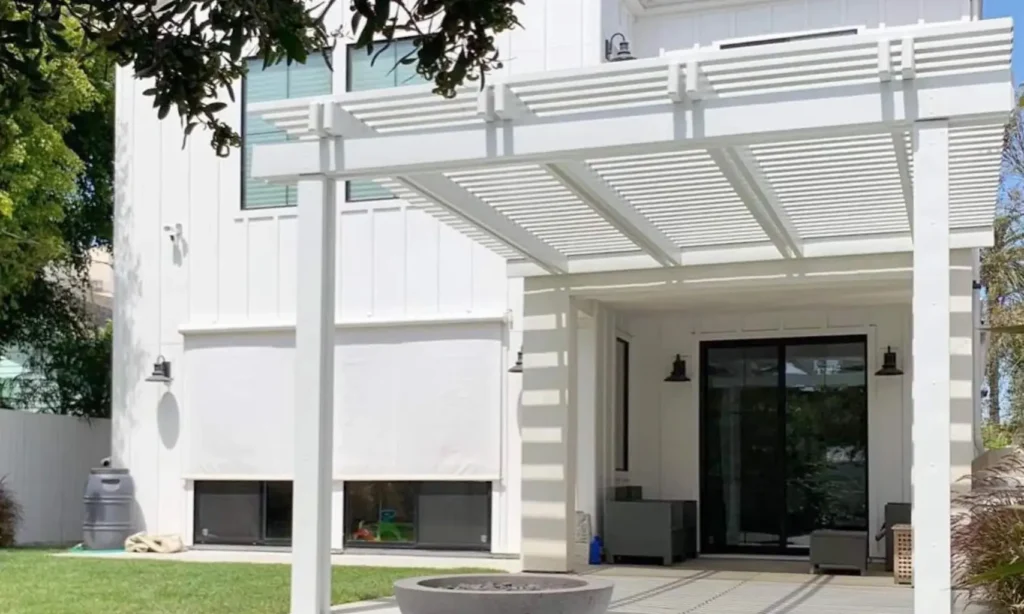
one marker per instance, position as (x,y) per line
(678,373)
(518,367)
(889,367)
(620,54)
(161,371)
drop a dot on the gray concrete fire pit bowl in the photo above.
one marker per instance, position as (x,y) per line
(503,594)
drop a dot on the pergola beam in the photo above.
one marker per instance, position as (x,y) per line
(579,179)
(723,122)
(744,174)
(456,199)
(853,246)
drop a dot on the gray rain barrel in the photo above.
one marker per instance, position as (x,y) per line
(108,509)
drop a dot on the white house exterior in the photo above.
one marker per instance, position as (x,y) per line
(778,213)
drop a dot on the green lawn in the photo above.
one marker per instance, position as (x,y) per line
(36,582)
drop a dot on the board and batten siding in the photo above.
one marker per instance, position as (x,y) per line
(651,34)
(235,269)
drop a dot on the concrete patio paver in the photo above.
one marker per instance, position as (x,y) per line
(686,591)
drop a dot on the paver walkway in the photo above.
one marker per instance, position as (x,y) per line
(685,591)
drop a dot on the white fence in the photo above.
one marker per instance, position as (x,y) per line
(46,461)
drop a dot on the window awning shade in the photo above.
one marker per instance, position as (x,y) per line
(410,403)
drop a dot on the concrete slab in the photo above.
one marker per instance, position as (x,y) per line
(284,557)
(723,592)
(705,586)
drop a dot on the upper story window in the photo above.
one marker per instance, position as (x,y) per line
(371,72)
(784,38)
(278,82)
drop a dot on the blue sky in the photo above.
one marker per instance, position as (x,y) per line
(1015,9)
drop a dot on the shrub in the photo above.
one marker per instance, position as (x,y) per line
(999,435)
(10,515)
(988,537)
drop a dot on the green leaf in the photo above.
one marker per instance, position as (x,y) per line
(61,43)
(381,12)
(365,38)
(998,573)
(165,108)
(236,44)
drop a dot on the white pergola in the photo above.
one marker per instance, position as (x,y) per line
(883,142)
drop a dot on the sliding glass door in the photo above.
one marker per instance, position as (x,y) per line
(783,442)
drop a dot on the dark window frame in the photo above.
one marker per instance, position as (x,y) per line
(780,344)
(417,519)
(261,540)
(624,435)
(788,38)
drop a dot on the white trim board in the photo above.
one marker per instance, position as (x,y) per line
(273,326)
(230,477)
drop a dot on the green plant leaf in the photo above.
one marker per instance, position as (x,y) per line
(998,573)
(382,10)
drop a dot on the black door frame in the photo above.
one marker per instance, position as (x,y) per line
(780,343)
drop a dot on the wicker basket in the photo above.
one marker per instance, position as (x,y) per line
(903,554)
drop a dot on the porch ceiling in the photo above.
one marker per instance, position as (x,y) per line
(741,300)
(701,156)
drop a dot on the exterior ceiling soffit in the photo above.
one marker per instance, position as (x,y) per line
(646,8)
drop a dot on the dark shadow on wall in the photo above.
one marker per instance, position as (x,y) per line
(131,360)
(168,420)
(180,248)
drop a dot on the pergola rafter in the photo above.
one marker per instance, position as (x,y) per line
(743,173)
(800,146)
(592,190)
(463,203)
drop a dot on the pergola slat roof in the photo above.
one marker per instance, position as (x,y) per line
(831,166)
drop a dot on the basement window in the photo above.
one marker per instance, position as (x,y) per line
(774,39)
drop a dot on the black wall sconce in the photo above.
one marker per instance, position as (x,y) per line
(622,54)
(161,371)
(518,367)
(678,371)
(889,364)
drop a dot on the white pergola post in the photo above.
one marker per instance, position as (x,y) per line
(314,399)
(931,373)
(549,426)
